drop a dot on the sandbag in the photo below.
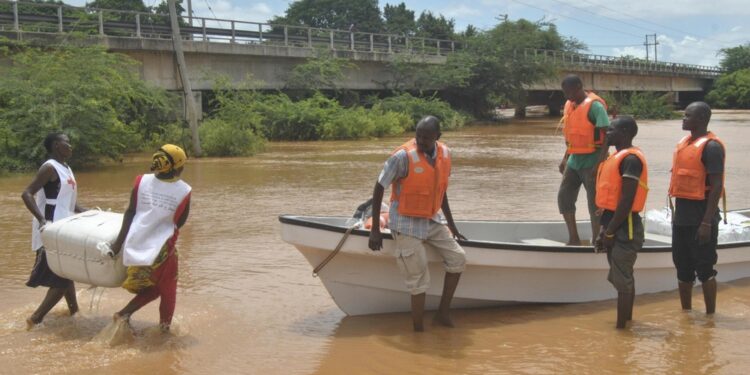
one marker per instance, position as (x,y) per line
(72,253)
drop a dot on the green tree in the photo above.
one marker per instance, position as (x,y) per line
(333,14)
(735,58)
(499,69)
(131,5)
(94,96)
(437,27)
(731,90)
(399,20)
(322,72)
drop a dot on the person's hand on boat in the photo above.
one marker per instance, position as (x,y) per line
(376,239)
(457,235)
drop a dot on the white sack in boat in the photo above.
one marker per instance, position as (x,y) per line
(737,228)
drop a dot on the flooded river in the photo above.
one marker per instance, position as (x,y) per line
(247,302)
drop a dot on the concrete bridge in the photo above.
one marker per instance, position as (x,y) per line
(266,52)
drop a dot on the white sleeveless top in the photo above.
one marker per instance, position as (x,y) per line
(65,203)
(157,208)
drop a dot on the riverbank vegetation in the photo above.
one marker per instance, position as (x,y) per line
(732,89)
(96,97)
(641,105)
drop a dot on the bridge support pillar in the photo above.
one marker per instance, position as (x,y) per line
(554,110)
(520,111)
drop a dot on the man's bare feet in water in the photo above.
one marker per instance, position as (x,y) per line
(31,323)
(443,320)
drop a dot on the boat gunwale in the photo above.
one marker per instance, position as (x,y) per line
(301,221)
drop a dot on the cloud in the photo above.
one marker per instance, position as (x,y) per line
(460,11)
(251,11)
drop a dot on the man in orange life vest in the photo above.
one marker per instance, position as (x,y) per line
(585,121)
(419,171)
(621,189)
(697,183)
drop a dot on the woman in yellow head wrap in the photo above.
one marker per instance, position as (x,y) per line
(159,206)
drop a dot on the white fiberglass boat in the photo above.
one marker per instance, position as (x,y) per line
(507,262)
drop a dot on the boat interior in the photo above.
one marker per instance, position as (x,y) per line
(532,233)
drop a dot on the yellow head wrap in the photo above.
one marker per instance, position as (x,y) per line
(168,158)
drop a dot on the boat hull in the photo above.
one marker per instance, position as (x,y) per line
(362,281)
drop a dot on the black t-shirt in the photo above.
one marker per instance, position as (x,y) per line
(688,211)
(631,167)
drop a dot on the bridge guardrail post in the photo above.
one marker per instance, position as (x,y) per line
(15,17)
(286,36)
(453,47)
(260,33)
(351,41)
(309,38)
(59,20)
(203,28)
(372,43)
(233,32)
(390,48)
(138,25)
(438,47)
(101,23)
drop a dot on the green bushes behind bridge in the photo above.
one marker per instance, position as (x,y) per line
(249,117)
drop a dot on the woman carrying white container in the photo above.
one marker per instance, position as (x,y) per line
(159,206)
(51,196)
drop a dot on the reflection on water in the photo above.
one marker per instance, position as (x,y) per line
(247,302)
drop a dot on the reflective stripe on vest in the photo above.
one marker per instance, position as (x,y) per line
(688,179)
(609,181)
(578,129)
(421,192)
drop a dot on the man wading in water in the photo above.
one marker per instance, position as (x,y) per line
(419,171)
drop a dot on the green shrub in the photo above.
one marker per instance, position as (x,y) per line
(649,105)
(417,108)
(220,138)
(731,90)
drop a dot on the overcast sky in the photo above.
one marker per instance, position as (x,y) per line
(688,31)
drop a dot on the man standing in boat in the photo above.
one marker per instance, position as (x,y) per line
(418,172)
(621,189)
(697,183)
(584,124)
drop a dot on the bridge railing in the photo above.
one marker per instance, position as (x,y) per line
(56,18)
(563,58)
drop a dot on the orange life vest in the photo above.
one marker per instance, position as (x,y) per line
(609,181)
(578,129)
(688,172)
(421,192)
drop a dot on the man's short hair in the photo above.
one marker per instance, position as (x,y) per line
(627,124)
(430,123)
(703,110)
(572,80)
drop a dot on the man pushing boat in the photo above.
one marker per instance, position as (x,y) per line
(418,172)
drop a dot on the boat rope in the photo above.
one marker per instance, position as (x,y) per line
(322,264)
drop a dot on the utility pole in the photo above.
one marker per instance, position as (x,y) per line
(648,44)
(190,12)
(190,105)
